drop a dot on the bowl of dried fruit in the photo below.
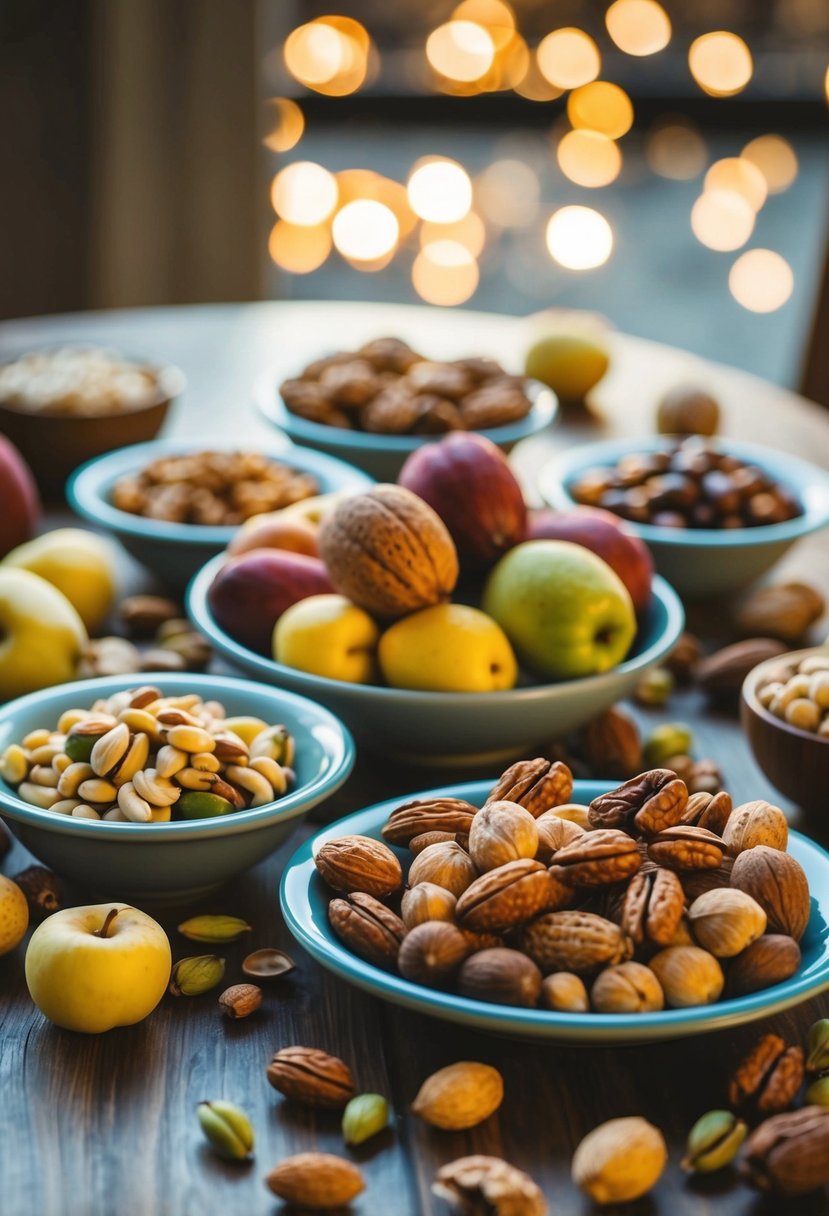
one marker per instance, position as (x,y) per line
(715,514)
(162,792)
(784,709)
(542,907)
(375,406)
(64,406)
(172,506)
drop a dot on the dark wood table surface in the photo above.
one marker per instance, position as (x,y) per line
(106,1126)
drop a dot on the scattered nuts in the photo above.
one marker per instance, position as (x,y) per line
(476,1185)
(619,1160)
(316,1180)
(459,1096)
(789,1154)
(766,1081)
(311,1077)
(227,1128)
(713,1142)
(364,1117)
(240,1000)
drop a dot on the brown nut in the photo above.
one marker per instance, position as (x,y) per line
(358,863)
(770,960)
(688,975)
(696,882)
(446,865)
(459,1096)
(509,896)
(427,901)
(686,848)
(726,921)
(428,815)
(367,927)
(501,832)
(240,1000)
(784,611)
(554,833)
(652,907)
(565,992)
(779,885)
(612,745)
(143,614)
(597,858)
(311,1077)
(648,803)
(431,953)
(766,1080)
(755,823)
(721,674)
(626,988)
(505,977)
(476,1185)
(708,810)
(574,941)
(316,1180)
(418,843)
(789,1154)
(537,785)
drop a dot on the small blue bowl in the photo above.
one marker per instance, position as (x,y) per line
(383,456)
(304,899)
(171,863)
(703,563)
(456,728)
(176,551)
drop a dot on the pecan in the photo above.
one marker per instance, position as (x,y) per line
(428,815)
(652,907)
(766,1081)
(509,896)
(574,941)
(537,785)
(358,863)
(367,927)
(596,858)
(686,848)
(789,1154)
(648,803)
(311,1077)
(710,811)
(474,1186)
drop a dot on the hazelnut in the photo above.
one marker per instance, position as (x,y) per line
(501,832)
(726,921)
(626,988)
(431,952)
(688,975)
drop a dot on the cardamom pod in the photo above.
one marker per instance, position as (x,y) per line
(213,929)
(817,1046)
(197,975)
(227,1128)
(364,1117)
(714,1141)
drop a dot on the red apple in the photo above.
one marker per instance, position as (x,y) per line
(467,480)
(19,502)
(605,535)
(275,530)
(249,594)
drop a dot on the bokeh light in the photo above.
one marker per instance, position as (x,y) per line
(674,148)
(445,272)
(720,63)
(601,106)
(761,280)
(355,184)
(495,16)
(329,55)
(469,232)
(740,176)
(365,231)
(534,85)
(460,50)
(588,158)
(284,124)
(722,220)
(304,193)
(568,58)
(508,193)
(638,27)
(298,249)
(776,159)
(439,190)
(579,238)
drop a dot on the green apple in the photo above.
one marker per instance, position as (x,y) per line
(448,648)
(95,967)
(328,636)
(565,611)
(78,563)
(41,634)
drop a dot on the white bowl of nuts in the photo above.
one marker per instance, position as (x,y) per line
(163,792)
(173,506)
(543,907)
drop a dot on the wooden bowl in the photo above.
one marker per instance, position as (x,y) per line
(795,761)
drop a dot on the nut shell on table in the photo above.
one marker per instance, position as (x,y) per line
(359,863)
(779,885)
(502,831)
(537,785)
(459,1096)
(505,898)
(476,1185)
(367,927)
(500,975)
(688,976)
(626,988)
(726,921)
(789,1153)
(311,1077)
(427,901)
(773,958)
(431,953)
(652,906)
(446,865)
(422,815)
(755,823)
(766,1081)
(580,942)
(319,1181)
(597,858)
(646,804)
(686,848)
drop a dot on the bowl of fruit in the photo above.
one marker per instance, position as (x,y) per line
(715,514)
(449,629)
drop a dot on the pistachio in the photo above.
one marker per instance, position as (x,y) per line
(476,1185)
(667,740)
(726,921)
(195,804)
(565,992)
(316,1180)
(817,1045)
(817,1093)
(459,1096)
(364,1117)
(109,750)
(714,1141)
(227,1128)
(213,929)
(619,1160)
(197,975)
(240,1000)
(654,687)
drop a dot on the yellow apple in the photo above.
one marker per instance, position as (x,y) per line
(328,636)
(99,966)
(41,634)
(448,648)
(78,563)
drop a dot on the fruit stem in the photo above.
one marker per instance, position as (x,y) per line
(110,917)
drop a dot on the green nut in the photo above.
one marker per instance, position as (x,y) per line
(714,1141)
(78,746)
(197,805)
(364,1117)
(227,1128)
(669,739)
(817,1046)
(655,687)
(197,975)
(818,1092)
(212,929)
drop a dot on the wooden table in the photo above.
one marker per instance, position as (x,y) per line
(106,1126)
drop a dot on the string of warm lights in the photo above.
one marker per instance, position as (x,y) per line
(368,218)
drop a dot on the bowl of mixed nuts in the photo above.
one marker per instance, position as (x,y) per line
(163,791)
(376,405)
(173,505)
(716,514)
(543,907)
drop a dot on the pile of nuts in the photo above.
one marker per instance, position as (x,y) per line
(219,489)
(172,644)
(387,388)
(798,692)
(141,757)
(648,897)
(78,381)
(689,484)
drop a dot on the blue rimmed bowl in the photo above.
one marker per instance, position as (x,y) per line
(383,456)
(176,551)
(456,728)
(304,899)
(702,563)
(152,863)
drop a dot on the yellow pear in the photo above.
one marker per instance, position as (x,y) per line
(78,563)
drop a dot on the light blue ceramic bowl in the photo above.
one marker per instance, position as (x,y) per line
(178,861)
(702,563)
(456,728)
(304,898)
(383,456)
(176,551)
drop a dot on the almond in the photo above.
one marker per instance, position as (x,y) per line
(316,1180)
(459,1096)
